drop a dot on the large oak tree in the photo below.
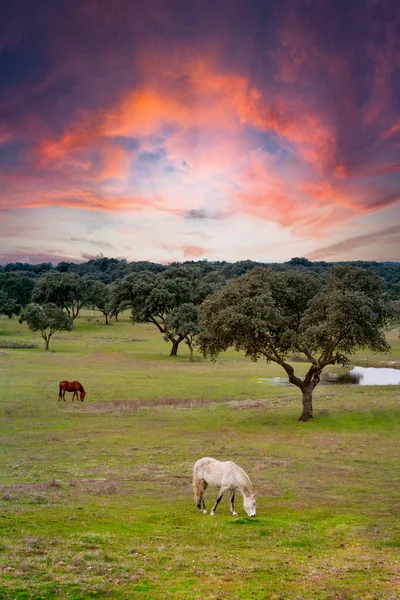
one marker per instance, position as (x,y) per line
(272,315)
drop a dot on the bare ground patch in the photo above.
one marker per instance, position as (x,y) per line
(124,406)
(99,485)
(10,344)
(39,493)
(248,404)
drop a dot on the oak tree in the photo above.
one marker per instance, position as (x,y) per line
(274,314)
(46,318)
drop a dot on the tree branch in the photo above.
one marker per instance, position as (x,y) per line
(306,351)
(157,324)
(288,368)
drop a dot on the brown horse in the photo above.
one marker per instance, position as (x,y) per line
(71,386)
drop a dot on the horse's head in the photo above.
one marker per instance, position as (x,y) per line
(83,394)
(249,504)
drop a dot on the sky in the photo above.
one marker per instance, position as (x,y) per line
(172,130)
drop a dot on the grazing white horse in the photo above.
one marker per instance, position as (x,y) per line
(227,476)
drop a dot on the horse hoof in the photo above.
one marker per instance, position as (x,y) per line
(204,512)
(234,514)
(212,513)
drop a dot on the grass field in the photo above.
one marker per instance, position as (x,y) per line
(96,498)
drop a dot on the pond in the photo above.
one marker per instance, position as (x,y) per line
(357,376)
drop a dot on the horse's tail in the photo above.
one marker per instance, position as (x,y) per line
(196,484)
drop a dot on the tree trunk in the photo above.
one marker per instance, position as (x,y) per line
(47,342)
(174,349)
(190,352)
(106,316)
(307,403)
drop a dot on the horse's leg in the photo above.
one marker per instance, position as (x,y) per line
(64,395)
(233,513)
(73,396)
(218,500)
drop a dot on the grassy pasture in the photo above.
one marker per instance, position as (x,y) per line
(96,498)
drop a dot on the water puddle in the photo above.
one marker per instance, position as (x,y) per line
(357,376)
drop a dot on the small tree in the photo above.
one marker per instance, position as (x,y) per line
(270,315)
(183,322)
(99,295)
(46,318)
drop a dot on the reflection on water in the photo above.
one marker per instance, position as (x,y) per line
(358,375)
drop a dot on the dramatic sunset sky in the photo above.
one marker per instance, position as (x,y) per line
(199,129)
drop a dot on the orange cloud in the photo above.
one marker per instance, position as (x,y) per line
(82,199)
(193,251)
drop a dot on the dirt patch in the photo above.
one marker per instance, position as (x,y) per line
(5,344)
(99,485)
(259,403)
(35,492)
(124,406)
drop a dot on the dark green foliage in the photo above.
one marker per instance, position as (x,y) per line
(46,318)
(299,261)
(35,269)
(109,270)
(66,290)
(18,288)
(8,305)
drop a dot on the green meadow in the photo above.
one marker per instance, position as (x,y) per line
(96,497)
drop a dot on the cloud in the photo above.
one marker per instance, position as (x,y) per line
(390,235)
(200,214)
(194,251)
(99,243)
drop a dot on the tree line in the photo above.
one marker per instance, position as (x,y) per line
(17,280)
(267,312)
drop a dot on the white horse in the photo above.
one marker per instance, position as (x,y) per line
(227,476)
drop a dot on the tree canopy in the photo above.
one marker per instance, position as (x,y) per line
(8,306)
(66,290)
(153,298)
(273,314)
(16,291)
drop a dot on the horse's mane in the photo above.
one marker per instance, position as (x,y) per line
(247,485)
